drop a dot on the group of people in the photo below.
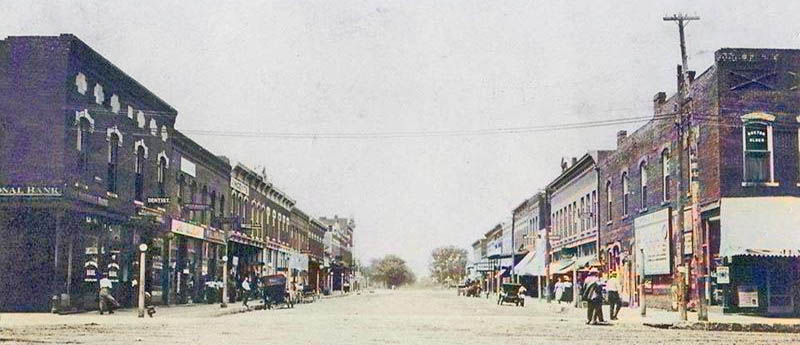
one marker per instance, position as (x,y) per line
(592,293)
(595,290)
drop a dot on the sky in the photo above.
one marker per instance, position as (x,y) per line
(322,67)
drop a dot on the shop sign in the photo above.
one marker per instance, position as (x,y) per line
(723,275)
(240,186)
(92,199)
(187,229)
(755,135)
(235,261)
(652,236)
(748,296)
(196,207)
(150,213)
(158,200)
(188,167)
(215,236)
(251,226)
(31,191)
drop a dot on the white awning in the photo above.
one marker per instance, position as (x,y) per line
(760,226)
(533,264)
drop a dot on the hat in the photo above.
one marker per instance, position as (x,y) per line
(594,270)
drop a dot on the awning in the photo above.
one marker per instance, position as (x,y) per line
(502,273)
(566,266)
(531,265)
(760,226)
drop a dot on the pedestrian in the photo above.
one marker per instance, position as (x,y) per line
(593,295)
(559,289)
(107,301)
(614,302)
(245,291)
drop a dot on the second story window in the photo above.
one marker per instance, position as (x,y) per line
(83,143)
(162,176)
(643,183)
(139,183)
(625,193)
(113,160)
(758,159)
(610,203)
(665,180)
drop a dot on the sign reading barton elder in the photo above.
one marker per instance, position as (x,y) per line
(31,191)
(652,236)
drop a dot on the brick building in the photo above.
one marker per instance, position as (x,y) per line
(743,144)
(83,146)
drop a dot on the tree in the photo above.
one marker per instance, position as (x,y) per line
(448,264)
(390,270)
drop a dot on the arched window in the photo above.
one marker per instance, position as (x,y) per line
(113,159)
(162,176)
(625,193)
(665,174)
(643,183)
(222,206)
(609,197)
(84,143)
(213,207)
(203,200)
(139,183)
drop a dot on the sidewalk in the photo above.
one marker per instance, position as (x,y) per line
(660,318)
(127,315)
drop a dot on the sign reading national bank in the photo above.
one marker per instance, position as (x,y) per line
(31,191)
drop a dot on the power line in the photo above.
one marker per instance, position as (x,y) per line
(439,133)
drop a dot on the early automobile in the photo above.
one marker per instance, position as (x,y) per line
(510,294)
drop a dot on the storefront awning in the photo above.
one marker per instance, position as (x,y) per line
(566,266)
(531,265)
(760,226)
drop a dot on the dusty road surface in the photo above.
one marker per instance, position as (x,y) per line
(382,317)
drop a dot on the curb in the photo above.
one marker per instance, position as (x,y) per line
(729,327)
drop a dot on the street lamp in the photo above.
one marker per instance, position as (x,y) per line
(223,304)
(142,250)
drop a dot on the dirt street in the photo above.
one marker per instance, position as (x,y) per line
(382,317)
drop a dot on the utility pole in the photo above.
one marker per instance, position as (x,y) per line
(683,92)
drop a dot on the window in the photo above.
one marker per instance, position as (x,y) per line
(113,159)
(162,176)
(582,214)
(594,215)
(139,183)
(83,143)
(625,193)
(665,174)
(643,183)
(222,206)
(181,190)
(757,151)
(204,218)
(213,207)
(609,197)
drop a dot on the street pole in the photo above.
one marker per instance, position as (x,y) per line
(575,281)
(642,304)
(142,250)
(682,21)
(224,303)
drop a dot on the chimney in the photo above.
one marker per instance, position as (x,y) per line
(621,135)
(574,161)
(659,100)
